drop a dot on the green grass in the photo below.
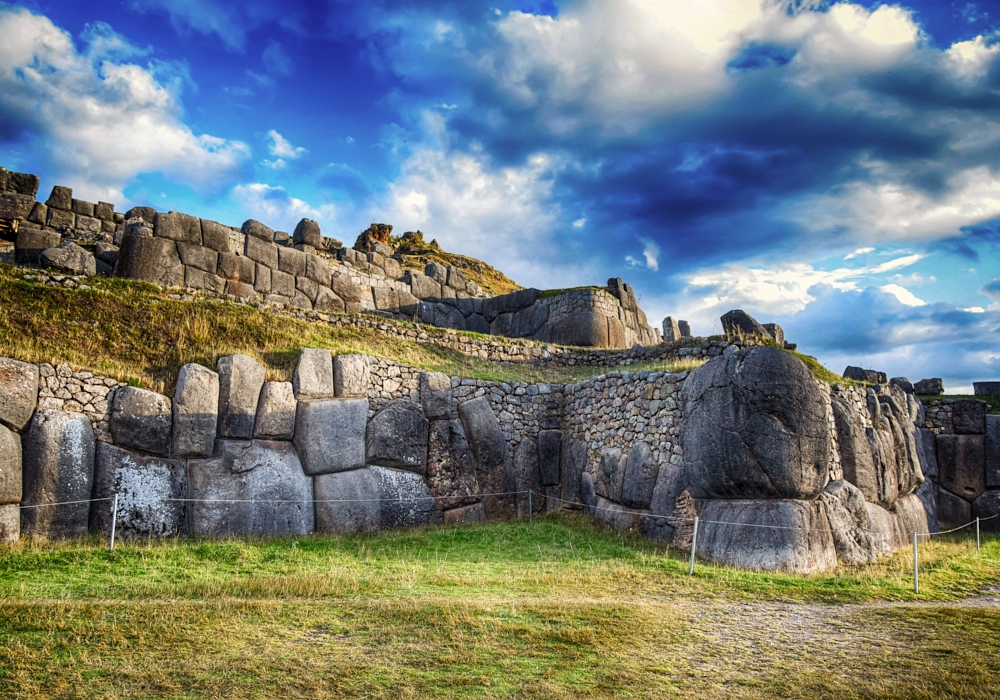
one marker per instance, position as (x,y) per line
(550,293)
(559,609)
(136,333)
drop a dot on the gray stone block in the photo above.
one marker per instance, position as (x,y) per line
(853,537)
(149,490)
(61,198)
(147,214)
(435,395)
(16,206)
(910,518)
(39,214)
(988,506)
(962,464)
(549,444)
(309,288)
(640,477)
(494,469)
(530,496)
(572,465)
(927,448)
(328,302)
(969,417)
(60,220)
(105,211)
(991,447)
(23,183)
(953,511)
(177,227)
(347,501)
(58,467)
(451,470)
(617,517)
(150,260)
(264,252)
(422,286)
(195,411)
(69,258)
(929,387)
(663,523)
(738,323)
(330,434)
(10,524)
(405,500)
(255,229)
(10,466)
(307,232)
(199,257)
(351,375)
(611,474)
(986,388)
(250,488)
(198,279)
(81,208)
(802,545)
(292,262)
(588,493)
(30,243)
(282,284)
(465,515)
(776,332)
(18,392)
(142,420)
(755,424)
(437,272)
(386,298)
(397,437)
(220,238)
(345,287)
(318,270)
(314,375)
(276,412)
(671,330)
(240,382)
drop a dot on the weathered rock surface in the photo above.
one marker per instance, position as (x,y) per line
(929,387)
(969,417)
(927,446)
(493,463)
(373,498)
(803,545)
(308,232)
(960,464)
(435,395)
(250,487)
(527,478)
(465,515)
(195,411)
(314,375)
(738,323)
(572,465)
(588,494)
(860,374)
(351,375)
(927,493)
(549,444)
(151,260)
(10,466)
(853,537)
(640,477)
(142,420)
(69,258)
(670,484)
(755,424)
(910,517)
(617,517)
(988,506)
(451,469)
(397,437)
(18,393)
(992,451)
(275,412)
(58,462)
(610,474)
(671,330)
(148,489)
(330,434)
(953,511)
(10,524)
(31,242)
(240,382)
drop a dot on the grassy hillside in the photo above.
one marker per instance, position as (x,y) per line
(135,332)
(559,609)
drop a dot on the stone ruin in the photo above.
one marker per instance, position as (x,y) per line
(304,270)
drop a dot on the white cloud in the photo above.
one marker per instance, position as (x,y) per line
(277,164)
(580,223)
(276,208)
(651,252)
(280,146)
(276,60)
(857,252)
(904,295)
(101,121)
(970,61)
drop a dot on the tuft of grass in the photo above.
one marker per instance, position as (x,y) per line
(557,609)
(824,374)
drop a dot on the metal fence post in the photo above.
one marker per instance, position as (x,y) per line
(114,522)
(694,542)
(916,567)
(978,545)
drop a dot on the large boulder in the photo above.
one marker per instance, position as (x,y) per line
(663,521)
(992,451)
(776,332)
(927,446)
(196,411)
(465,515)
(611,474)
(150,259)
(330,434)
(860,374)
(911,517)
(149,489)
(953,511)
(929,387)
(451,469)
(314,374)
(10,467)
(397,437)
(527,478)
(772,535)
(671,330)
(58,467)
(307,232)
(351,375)
(641,471)
(961,460)
(969,417)
(31,242)
(240,382)
(142,420)
(617,517)
(10,524)
(849,524)
(435,395)
(18,393)
(578,328)
(69,258)
(572,465)
(755,425)
(549,444)
(927,493)
(275,412)
(739,324)
(374,498)
(249,487)
(494,470)
(987,508)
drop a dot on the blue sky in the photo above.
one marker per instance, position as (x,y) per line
(829,166)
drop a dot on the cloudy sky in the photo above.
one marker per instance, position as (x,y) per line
(832,166)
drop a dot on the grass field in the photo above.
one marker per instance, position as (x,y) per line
(557,609)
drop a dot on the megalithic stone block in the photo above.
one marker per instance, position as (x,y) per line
(330,434)
(494,469)
(196,411)
(240,380)
(18,393)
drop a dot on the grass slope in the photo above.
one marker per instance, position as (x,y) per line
(135,332)
(560,609)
